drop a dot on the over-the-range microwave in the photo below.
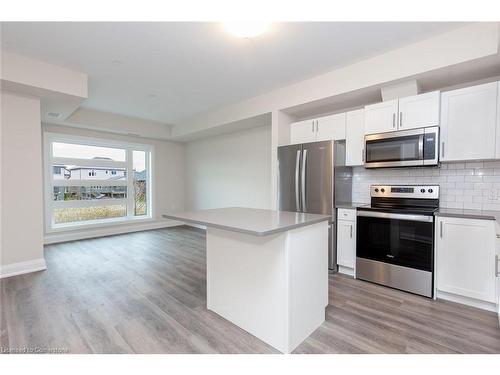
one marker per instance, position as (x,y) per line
(404,148)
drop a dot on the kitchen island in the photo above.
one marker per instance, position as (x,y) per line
(267,271)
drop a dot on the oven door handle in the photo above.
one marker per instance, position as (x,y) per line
(387,215)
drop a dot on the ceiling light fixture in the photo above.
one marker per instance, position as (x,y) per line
(246,29)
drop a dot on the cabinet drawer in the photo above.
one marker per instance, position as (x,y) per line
(346,214)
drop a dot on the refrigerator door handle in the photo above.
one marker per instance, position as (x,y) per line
(297,178)
(303,181)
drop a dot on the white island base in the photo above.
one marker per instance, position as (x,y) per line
(273,286)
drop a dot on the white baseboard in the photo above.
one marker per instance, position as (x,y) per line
(20,268)
(82,234)
(466,301)
(204,227)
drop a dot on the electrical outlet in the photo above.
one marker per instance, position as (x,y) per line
(493,195)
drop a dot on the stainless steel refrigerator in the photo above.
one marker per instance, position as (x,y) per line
(312,178)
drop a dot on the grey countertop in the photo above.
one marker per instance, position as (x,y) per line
(469,214)
(350,205)
(252,221)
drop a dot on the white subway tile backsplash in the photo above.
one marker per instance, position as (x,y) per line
(474,164)
(455,179)
(491,178)
(471,185)
(473,178)
(454,166)
(464,198)
(472,206)
(491,164)
(484,172)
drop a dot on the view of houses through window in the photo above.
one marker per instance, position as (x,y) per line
(91,183)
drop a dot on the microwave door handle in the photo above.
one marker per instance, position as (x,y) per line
(297,178)
(421,147)
(303,180)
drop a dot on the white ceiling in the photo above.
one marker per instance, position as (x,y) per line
(169,71)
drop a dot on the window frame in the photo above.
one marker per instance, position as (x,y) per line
(49,182)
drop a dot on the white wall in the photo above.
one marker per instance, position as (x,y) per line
(168,181)
(470,185)
(21,183)
(229,170)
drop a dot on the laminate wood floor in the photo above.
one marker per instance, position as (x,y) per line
(145,293)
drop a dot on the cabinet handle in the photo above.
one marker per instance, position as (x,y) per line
(351,230)
(317,126)
(441,229)
(497,260)
(393,120)
(442,149)
(400,119)
(312,127)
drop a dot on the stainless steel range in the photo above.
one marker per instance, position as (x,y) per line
(395,237)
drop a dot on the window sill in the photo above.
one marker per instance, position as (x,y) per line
(92,224)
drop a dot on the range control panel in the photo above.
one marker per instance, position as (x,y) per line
(405,191)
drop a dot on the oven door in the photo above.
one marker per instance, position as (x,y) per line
(395,149)
(399,239)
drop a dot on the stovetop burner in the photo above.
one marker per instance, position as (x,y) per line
(410,199)
(405,210)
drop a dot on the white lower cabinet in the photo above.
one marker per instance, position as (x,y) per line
(497,269)
(346,241)
(465,261)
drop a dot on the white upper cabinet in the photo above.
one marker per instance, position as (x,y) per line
(468,123)
(331,127)
(419,111)
(381,117)
(355,137)
(412,112)
(465,257)
(320,129)
(303,131)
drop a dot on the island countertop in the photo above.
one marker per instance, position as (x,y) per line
(257,222)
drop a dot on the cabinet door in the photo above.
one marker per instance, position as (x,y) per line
(355,137)
(419,111)
(331,127)
(468,123)
(381,117)
(497,151)
(465,257)
(497,273)
(302,132)
(346,243)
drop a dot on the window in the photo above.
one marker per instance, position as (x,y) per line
(93,181)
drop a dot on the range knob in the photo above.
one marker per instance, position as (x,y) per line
(382,190)
(376,190)
(430,190)
(422,190)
